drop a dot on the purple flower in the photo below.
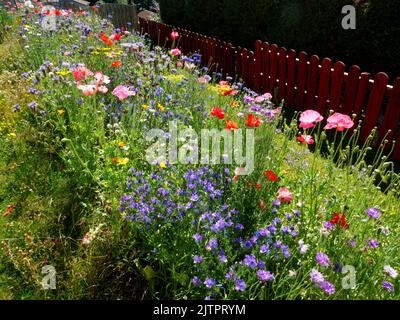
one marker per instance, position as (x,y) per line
(264,232)
(16,108)
(316,276)
(196,281)
(264,249)
(328,287)
(329,226)
(338,267)
(322,259)
(373,213)
(373,243)
(194,197)
(32,105)
(210,282)
(212,244)
(352,243)
(250,261)
(240,285)
(198,237)
(265,275)
(277,203)
(222,258)
(198,259)
(387,286)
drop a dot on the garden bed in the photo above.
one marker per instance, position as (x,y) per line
(102,178)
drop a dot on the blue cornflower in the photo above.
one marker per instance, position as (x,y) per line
(210,282)
(240,285)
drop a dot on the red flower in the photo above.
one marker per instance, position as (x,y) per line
(230,124)
(116,63)
(36,11)
(217,112)
(258,186)
(305,139)
(117,36)
(57,12)
(30,15)
(340,220)
(253,121)
(271,175)
(106,39)
(262,205)
(47,13)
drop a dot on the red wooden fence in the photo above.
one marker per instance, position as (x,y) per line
(302,81)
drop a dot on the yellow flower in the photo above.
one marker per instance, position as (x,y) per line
(161,107)
(121,144)
(61,112)
(145,106)
(12,135)
(234,104)
(63,72)
(121,161)
(162,165)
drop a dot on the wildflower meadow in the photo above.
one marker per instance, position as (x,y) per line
(131,172)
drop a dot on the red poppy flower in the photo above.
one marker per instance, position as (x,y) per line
(36,11)
(117,36)
(47,13)
(217,112)
(106,39)
(340,220)
(57,12)
(253,121)
(258,186)
(271,175)
(230,124)
(116,63)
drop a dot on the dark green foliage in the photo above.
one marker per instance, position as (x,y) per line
(313,26)
(143,4)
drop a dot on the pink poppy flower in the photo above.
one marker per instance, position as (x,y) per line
(100,78)
(339,121)
(175,52)
(308,118)
(285,195)
(87,89)
(81,72)
(122,92)
(305,139)
(174,35)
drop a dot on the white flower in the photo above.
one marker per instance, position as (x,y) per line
(390,271)
(302,247)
